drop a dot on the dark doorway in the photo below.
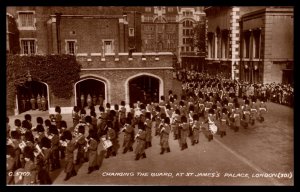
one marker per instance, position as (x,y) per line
(288,76)
(144,89)
(32,96)
(90,89)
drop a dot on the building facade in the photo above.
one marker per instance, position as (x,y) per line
(189,57)
(106,41)
(247,43)
(267,44)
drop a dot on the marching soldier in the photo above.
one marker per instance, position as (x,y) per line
(148,126)
(183,129)
(141,141)
(69,155)
(29,166)
(43,103)
(223,122)
(111,135)
(54,137)
(33,102)
(164,136)
(92,151)
(128,129)
(39,102)
(10,164)
(196,125)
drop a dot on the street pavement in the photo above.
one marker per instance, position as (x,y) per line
(258,155)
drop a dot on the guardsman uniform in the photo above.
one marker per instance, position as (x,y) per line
(140,144)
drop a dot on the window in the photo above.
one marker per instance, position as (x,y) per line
(160,28)
(108,46)
(28,47)
(70,47)
(170,9)
(148,9)
(26,20)
(247,44)
(131,32)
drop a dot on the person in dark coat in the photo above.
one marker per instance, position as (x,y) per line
(10,164)
(195,129)
(58,117)
(75,116)
(141,142)
(111,135)
(184,131)
(148,124)
(92,151)
(69,158)
(54,137)
(80,144)
(128,129)
(43,162)
(164,136)
(30,166)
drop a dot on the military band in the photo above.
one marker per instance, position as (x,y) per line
(208,106)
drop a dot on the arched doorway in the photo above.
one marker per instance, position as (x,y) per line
(33,95)
(90,88)
(144,88)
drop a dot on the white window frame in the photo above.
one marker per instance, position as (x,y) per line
(20,27)
(67,48)
(131,32)
(28,39)
(112,45)
(170,9)
(148,9)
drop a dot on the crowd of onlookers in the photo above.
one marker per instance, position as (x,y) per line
(273,92)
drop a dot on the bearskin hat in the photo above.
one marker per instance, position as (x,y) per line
(45,142)
(26,124)
(224,110)
(191,108)
(18,123)
(81,129)
(63,124)
(53,130)
(67,135)
(247,102)
(141,125)
(168,106)
(195,117)
(57,109)
(88,119)
(123,103)
(28,136)
(28,152)
(27,117)
(211,111)
(15,135)
(167,120)
(163,116)
(157,109)
(237,105)
(39,120)
(47,122)
(148,115)
(10,150)
(183,119)
(107,105)
(40,128)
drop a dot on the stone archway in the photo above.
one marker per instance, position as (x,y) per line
(33,95)
(93,86)
(143,87)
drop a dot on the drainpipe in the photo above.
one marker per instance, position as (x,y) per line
(58,16)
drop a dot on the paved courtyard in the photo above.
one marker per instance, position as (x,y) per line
(247,157)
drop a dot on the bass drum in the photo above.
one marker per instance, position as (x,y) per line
(213,128)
